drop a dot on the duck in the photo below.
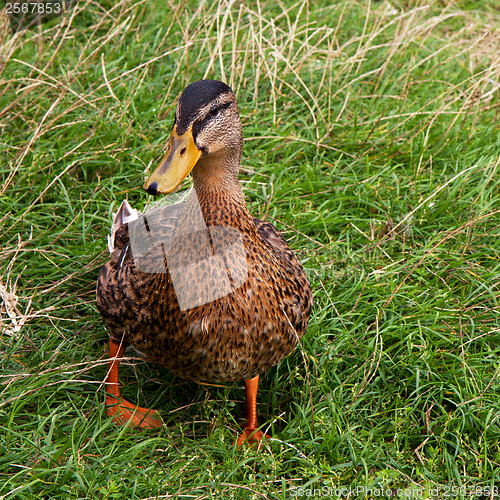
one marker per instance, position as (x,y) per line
(201,286)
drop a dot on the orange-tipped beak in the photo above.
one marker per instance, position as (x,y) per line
(180,158)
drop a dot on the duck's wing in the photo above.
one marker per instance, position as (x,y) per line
(294,286)
(273,238)
(118,237)
(131,230)
(127,282)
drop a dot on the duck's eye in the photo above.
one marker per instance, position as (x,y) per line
(214,110)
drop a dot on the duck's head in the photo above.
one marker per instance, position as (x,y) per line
(206,137)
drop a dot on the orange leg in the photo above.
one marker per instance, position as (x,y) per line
(250,433)
(122,411)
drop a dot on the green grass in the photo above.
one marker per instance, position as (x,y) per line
(372,140)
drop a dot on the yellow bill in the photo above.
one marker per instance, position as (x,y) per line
(180,158)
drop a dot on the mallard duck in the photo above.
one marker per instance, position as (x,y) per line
(201,287)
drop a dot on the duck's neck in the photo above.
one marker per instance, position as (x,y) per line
(219,193)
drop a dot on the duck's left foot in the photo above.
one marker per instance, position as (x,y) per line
(124,413)
(251,437)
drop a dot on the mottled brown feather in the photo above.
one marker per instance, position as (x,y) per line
(230,339)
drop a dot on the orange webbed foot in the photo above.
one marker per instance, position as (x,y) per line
(251,437)
(124,413)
